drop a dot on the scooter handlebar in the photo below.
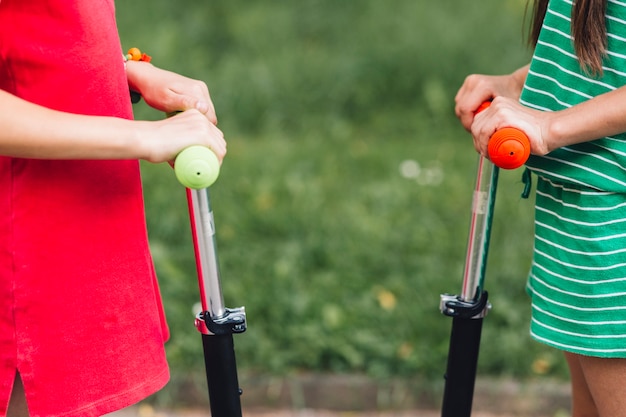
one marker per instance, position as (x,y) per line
(196,167)
(509,148)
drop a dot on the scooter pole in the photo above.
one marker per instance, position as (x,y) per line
(469,309)
(508,148)
(196,169)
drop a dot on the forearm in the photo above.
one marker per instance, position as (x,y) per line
(519,77)
(32,131)
(135,71)
(604,115)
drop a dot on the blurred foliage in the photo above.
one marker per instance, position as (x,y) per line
(343,205)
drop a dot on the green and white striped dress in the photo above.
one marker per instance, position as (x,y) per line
(578,278)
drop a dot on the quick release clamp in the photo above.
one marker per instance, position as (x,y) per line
(232,321)
(455,306)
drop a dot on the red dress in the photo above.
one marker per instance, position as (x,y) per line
(80,312)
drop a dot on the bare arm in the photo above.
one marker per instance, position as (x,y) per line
(604,115)
(31,131)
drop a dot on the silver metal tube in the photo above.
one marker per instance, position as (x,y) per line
(206,252)
(480,230)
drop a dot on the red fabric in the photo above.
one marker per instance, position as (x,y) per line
(80,312)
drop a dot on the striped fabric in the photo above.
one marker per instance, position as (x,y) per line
(578,278)
(555,82)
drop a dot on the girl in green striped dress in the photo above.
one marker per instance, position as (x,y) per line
(571,102)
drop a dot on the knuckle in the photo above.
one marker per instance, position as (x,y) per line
(199,88)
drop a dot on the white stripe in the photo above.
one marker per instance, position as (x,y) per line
(617,38)
(577,252)
(562,177)
(614,36)
(616,19)
(563,87)
(561,15)
(582,238)
(577,207)
(577,295)
(592,193)
(548,300)
(572,221)
(552,96)
(558,49)
(559,32)
(615,54)
(531,105)
(600,157)
(574,280)
(574,74)
(585,268)
(583,322)
(575,348)
(614,71)
(581,335)
(612,150)
(584,168)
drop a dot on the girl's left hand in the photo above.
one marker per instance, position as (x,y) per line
(169,92)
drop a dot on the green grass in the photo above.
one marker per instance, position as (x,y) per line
(342,210)
(340,259)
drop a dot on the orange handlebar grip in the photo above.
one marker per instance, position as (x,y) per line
(482,106)
(509,148)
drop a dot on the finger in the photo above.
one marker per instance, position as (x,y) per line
(182,102)
(206,107)
(466,108)
(467,119)
(217,143)
(203,106)
(466,115)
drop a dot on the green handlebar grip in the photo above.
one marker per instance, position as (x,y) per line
(196,167)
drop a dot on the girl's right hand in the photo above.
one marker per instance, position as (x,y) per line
(477,89)
(162,140)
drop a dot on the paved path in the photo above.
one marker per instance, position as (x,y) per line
(148,411)
(312,396)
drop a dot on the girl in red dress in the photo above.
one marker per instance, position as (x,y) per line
(81,323)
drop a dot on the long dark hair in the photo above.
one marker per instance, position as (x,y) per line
(588,30)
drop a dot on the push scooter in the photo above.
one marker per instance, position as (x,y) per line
(197,168)
(508,149)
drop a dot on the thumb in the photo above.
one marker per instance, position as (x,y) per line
(202,106)
(183,102)
(206,108)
